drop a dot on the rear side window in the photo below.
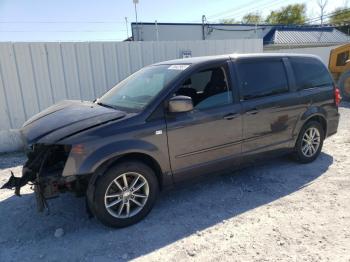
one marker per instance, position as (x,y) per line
(310,73)
(262,78)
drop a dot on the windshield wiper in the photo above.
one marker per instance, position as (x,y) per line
(107,105)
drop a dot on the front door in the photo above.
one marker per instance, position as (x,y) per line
(207,138)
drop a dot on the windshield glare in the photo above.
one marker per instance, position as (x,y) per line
(137,91)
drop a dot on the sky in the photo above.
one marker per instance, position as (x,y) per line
(88,20)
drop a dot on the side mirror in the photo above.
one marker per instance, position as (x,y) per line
(178,104)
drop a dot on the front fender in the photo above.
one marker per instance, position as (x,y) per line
(87,164)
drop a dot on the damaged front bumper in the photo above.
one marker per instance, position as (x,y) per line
(43,170)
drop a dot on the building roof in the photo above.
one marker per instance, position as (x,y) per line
(277,35)
(300,35)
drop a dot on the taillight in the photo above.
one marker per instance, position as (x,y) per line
(337,96)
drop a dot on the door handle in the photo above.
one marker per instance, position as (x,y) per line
(231,116)
(254,111)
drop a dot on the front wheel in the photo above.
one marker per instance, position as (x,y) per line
(310,142)
(125,194)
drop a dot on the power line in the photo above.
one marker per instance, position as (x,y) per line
(214,16)
(265,5)
(328,15)
(258,7)
(59,31)
(61,22)
(68,40)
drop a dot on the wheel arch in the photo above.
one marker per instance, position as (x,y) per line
(163,179)
(306,118)
(318,118)
(299,154)
(131,156)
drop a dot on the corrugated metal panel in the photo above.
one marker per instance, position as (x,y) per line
(70,68)
(41,75)
(34,76)
(56,72)
(27,79)
(111,64)
(5,120)
(312,36)
(12,85)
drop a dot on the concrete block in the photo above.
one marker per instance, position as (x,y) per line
(11,141)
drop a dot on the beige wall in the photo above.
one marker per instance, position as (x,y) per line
(322,52)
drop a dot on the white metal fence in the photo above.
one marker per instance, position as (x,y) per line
(34,76)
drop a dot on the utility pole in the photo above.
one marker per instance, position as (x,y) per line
(127,29)
(135,3)
(203,29)
(322,4)
(137,26)
(157,31)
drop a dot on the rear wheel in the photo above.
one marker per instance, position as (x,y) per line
(344,85)
(310,142)
(125,194)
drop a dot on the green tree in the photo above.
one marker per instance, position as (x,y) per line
(290,14)
(340,15)
(252,18)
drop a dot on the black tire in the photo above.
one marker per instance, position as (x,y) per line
(343,84)
(299,155)
(97,205)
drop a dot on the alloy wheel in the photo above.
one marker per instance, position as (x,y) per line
(126,195)
(311,142)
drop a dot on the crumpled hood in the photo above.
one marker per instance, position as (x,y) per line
(66,118)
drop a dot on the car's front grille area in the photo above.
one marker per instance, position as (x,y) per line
(46,159)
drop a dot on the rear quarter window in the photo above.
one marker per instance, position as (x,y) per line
(310,73)
(261,78)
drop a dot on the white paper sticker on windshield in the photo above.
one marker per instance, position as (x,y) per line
(178,67)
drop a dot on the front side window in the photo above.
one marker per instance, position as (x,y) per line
(310,73)
(208,88)
(137,91)
(262,78)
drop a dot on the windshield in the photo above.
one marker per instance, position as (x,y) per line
(137,91)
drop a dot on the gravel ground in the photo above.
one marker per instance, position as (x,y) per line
(277,211)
